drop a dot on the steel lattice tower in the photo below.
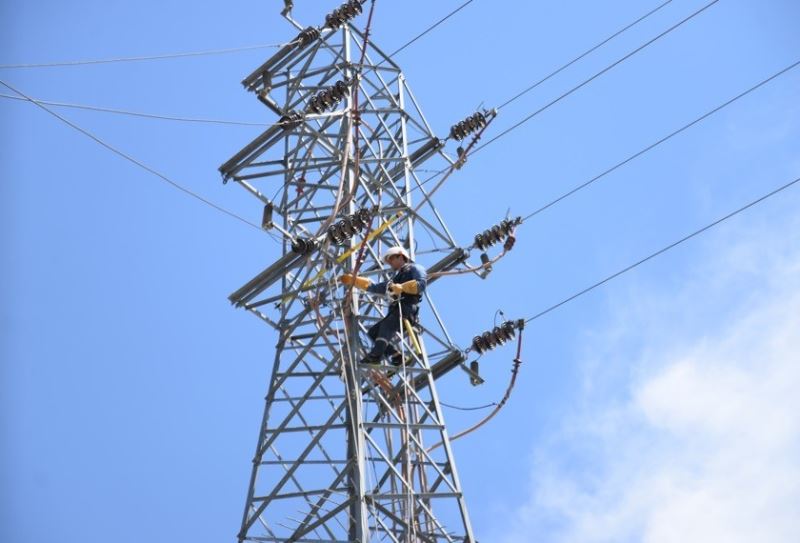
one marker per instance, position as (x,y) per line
(346,453)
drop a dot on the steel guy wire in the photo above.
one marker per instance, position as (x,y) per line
(143,58)
(664,249)
(582,55)
(138,113)
(131,159)
(595,76)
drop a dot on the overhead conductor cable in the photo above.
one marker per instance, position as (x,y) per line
(133,160)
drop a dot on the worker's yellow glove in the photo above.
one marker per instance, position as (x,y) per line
(409,287)
(356,281)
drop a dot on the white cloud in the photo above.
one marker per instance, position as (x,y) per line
(693,434)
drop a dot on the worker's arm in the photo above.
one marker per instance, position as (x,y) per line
(357,281)
(378,288)
(364,283)
(415,286)
(419,281)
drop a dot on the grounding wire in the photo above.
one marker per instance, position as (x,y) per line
(131,159)
(664,249)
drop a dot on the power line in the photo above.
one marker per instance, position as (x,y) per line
(130,158)
(431,27)
(663,250)
(595,76)
(41,103)
(582,55)
(208,52)
(662,140)
(179,55)
(142,58)
(561,97)
(137,113)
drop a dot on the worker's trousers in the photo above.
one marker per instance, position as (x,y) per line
(383,331)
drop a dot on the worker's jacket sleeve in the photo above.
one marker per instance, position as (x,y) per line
(420,275)
(409,272)
(378,288)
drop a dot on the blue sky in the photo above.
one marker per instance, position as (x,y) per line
(132,391)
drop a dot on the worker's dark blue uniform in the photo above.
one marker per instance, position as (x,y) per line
(408,304)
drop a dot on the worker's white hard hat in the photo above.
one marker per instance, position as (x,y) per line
(396,251)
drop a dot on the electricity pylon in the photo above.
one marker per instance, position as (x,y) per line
(346,453)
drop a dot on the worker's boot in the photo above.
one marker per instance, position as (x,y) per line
(397,359)
(371,359)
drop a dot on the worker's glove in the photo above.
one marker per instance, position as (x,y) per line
(394,289)
(357,281)
(409,287)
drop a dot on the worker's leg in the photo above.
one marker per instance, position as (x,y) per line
(388,328)
(373,331)
(394,356)
(409,312)
(374,356)
(382,333)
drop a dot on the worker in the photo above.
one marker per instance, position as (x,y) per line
(405,288)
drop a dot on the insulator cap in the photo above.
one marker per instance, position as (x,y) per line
(489,340)
(307,36)
(303,246)
(344,229)
(499,335)
(327,98)
(292,120)
(343,14)
(478,345)
(462,129)
(497,233)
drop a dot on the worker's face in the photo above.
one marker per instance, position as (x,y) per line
(396,261)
